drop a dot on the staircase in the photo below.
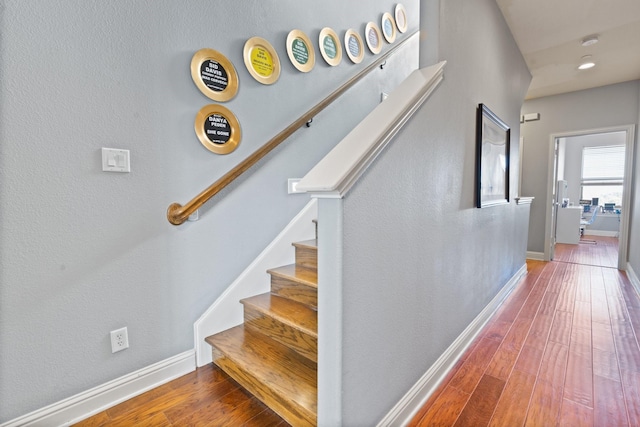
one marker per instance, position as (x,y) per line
(274,353)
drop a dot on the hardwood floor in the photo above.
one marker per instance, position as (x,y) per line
(207,397)
(593,250)
(563,350)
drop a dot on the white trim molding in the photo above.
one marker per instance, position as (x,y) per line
(538,256)
(524,200)
(633,278)
(602,233)
(330,321)
(83,405)
(416,397)
(336,173)
(626,190)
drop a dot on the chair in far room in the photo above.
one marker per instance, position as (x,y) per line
(586,222)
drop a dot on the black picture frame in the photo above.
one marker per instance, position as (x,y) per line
(493,148)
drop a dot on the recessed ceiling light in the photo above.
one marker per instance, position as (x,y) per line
(589,40)
(586,63)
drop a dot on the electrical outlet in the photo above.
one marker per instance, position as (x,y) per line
(119,340)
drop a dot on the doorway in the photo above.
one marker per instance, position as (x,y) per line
(598,251)
(558,169)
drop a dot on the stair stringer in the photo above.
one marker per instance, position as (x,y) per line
(227,312)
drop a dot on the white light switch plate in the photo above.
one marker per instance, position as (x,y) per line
(115,160)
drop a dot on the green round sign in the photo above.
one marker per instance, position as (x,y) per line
(300,51)
(330,47)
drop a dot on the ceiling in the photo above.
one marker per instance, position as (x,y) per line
(549,35)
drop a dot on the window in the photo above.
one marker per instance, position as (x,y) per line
(603,173)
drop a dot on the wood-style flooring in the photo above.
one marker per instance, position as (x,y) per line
(207,397)
(592,250)
(562,351)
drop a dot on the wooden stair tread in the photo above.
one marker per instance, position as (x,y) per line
(289,312)
(296,282)
(276,374)
(297,273)
(307,253)
(309,244)
(274,353)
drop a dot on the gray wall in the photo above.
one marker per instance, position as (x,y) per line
(84,252)
(420,261)
(614,105)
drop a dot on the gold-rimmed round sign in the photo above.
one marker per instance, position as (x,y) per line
(261,60)
(373,37)
(300,51)
(217,129)
(214,75)
(330,47)
(388,28)
(401,18)
(354,46)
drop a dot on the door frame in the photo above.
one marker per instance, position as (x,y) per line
(623,240)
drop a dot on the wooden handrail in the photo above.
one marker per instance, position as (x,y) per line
(178,214)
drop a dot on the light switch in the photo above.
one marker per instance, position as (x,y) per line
(115,160)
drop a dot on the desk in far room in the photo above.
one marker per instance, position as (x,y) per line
(568,225)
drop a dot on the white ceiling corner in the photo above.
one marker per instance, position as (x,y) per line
(549,32)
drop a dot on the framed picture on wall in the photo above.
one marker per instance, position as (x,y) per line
(492,159)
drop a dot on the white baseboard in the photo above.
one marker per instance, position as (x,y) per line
(633,278)
(538,256)
(83,405)
(601,233)
(409,405)
(226,312)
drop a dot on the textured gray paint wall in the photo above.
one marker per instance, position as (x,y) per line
(420,261)
(607,106)
(84,252)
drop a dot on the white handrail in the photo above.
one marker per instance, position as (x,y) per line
(334,175)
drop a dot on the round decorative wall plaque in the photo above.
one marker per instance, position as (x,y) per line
(330,47)
(354,46)
(401,18)
(300,51)
(214,75)
(373,37)
(217,129)
(261,60)
(388,28)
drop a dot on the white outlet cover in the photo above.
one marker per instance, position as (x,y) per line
(119,340)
